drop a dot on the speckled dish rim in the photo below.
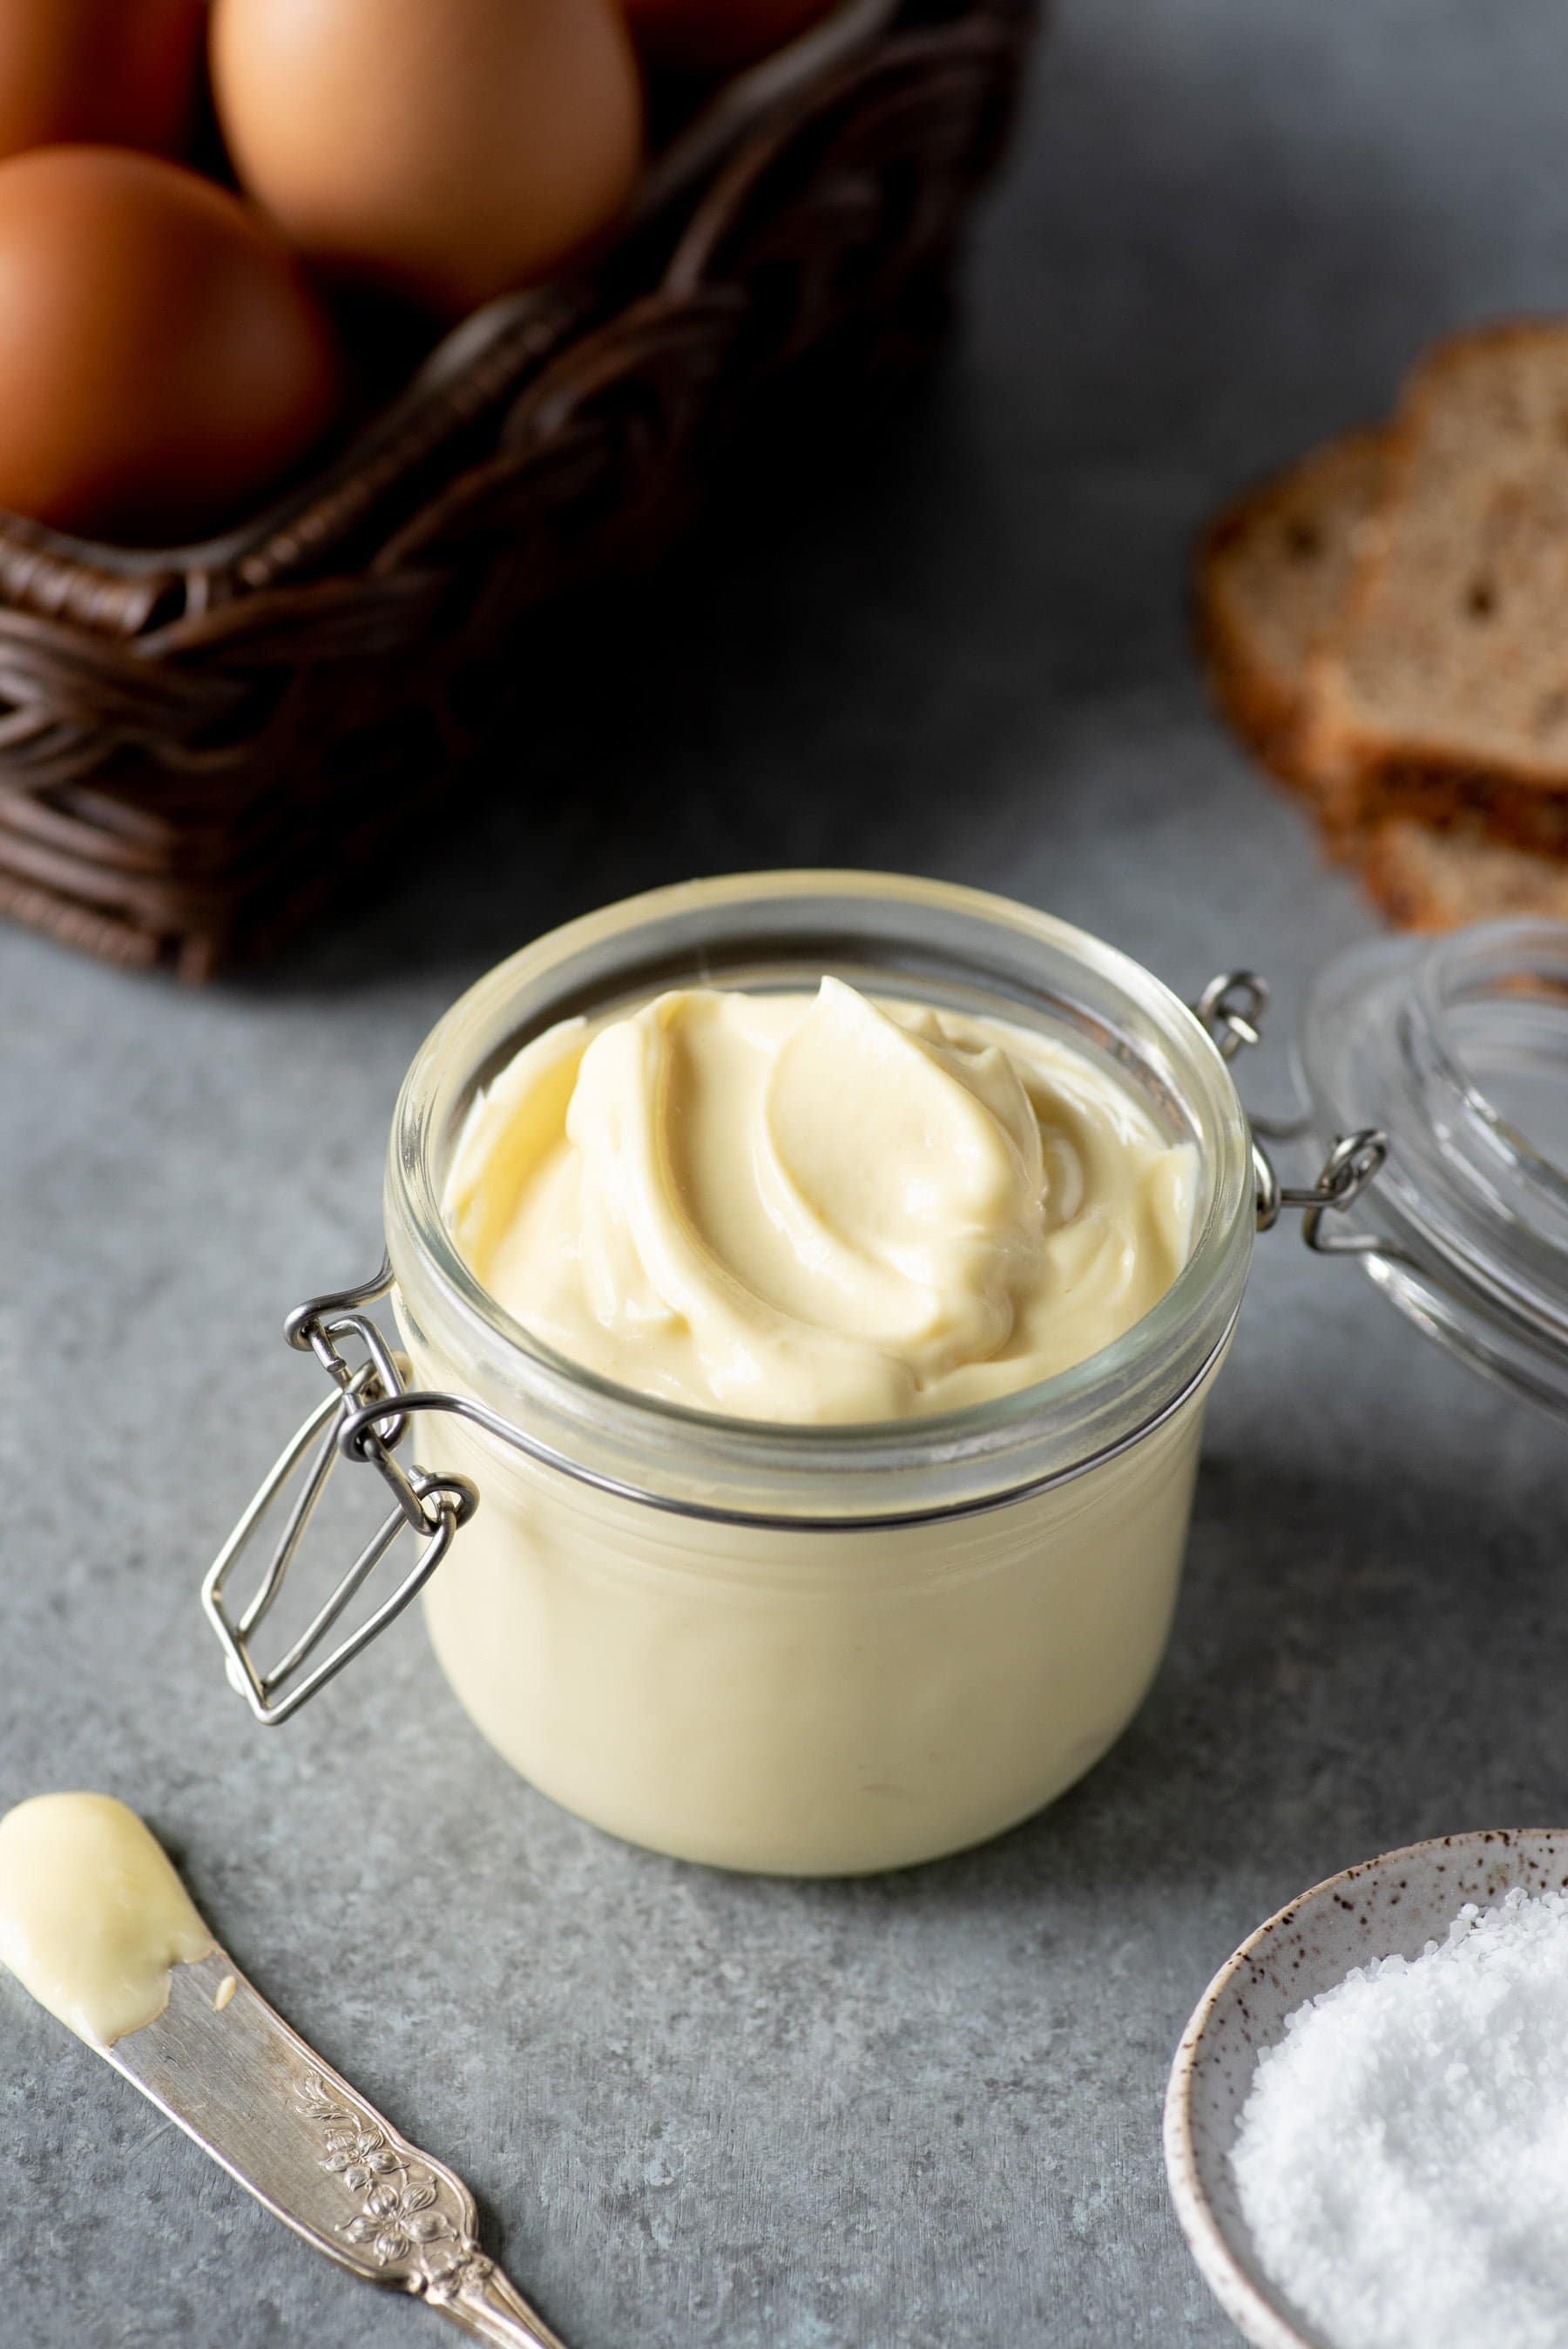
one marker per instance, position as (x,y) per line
(1244,2300)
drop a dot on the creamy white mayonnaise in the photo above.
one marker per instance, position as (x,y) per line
(817,1209)
(93,1917)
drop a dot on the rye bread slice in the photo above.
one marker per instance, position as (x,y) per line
(1443,693)
(1272,573)
(1439,880)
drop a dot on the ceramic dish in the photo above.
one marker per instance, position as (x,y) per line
(1395,1904)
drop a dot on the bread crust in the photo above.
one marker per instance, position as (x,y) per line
(1264,699)
(1438,833)
(1438,881)
(1366,773)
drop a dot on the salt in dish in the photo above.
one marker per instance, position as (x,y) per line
(1225,2157)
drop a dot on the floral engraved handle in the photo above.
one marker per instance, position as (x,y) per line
(412,2221)
(224,2066)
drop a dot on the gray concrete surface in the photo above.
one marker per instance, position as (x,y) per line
(924,2110)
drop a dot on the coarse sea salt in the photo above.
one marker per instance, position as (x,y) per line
(1402,2158)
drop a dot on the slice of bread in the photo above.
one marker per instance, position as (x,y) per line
(1271,575)
(1441,880)
(1443,693)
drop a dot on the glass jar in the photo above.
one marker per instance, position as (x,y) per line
(805,1648)
(799,1650)
(835,1648)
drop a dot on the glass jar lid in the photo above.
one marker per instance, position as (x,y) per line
(1456,1048)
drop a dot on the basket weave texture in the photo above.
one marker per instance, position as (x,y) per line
(194,747)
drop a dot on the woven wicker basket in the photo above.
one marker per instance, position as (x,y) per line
(196,743)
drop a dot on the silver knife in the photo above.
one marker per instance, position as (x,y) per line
(226,2067)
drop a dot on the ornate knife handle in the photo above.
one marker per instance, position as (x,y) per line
(416,2218)
(236,2077)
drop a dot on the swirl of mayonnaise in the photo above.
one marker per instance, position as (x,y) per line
(814,1209)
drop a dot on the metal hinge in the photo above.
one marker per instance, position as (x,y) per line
(349,1423)
(1231,1009)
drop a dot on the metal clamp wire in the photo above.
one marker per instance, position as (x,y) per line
(1231,1009)
(546,1456)
(431,1505)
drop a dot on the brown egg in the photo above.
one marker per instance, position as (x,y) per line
(445,148)
(716,37)
(123,71)
(162,360)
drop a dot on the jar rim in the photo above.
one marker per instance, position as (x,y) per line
(990,1447)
